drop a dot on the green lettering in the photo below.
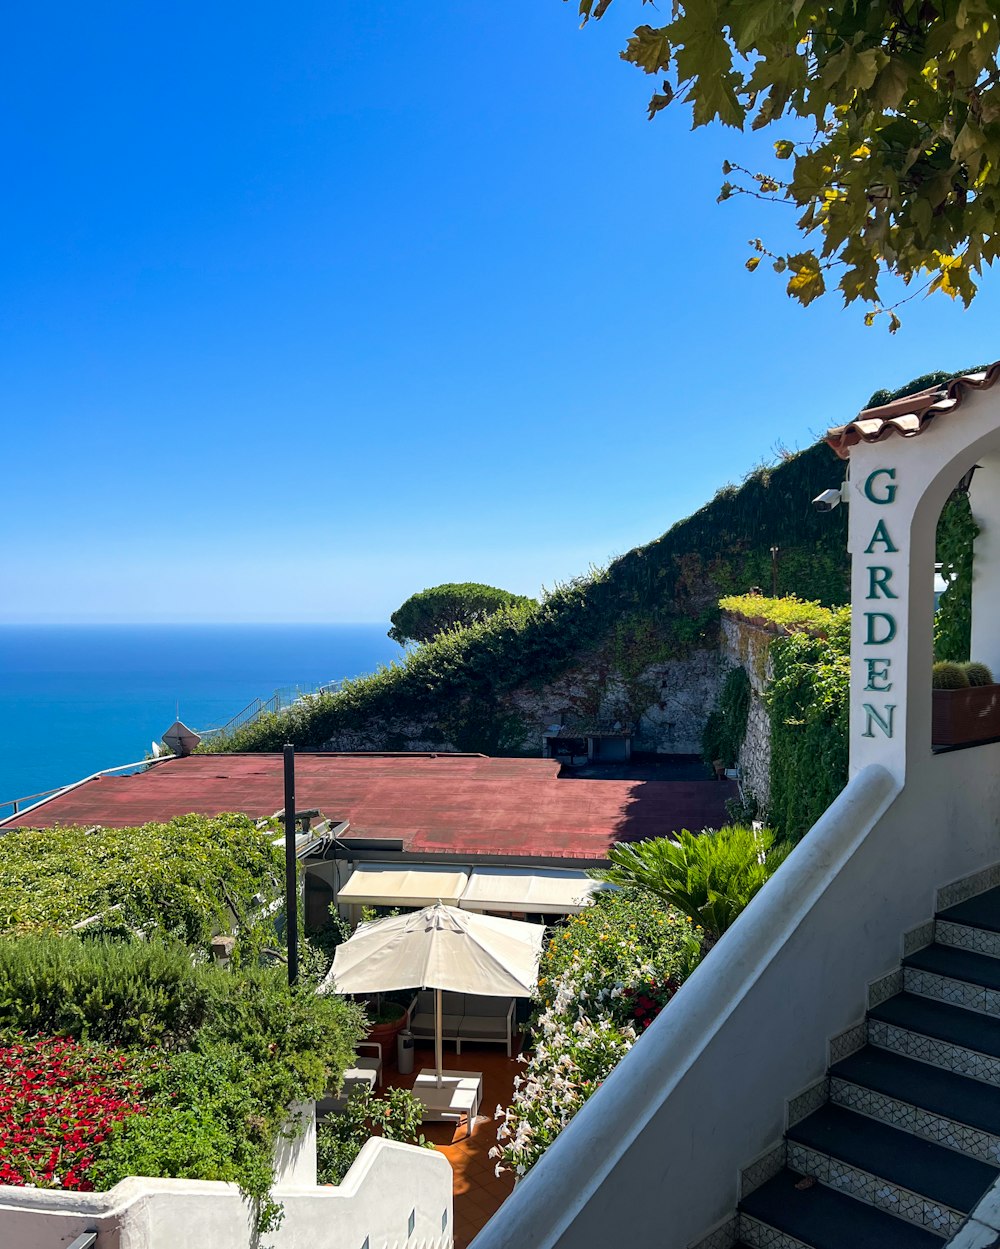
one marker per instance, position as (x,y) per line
(875,717)
(878,673)
(881,534)
(890,491)
(878,579)
(890,633)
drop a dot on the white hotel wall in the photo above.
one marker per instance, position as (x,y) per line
(386,1183)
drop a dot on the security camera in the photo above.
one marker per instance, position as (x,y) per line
(830,499)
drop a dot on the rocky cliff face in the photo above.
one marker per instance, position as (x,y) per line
(665,704)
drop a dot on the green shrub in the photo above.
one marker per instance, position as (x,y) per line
(128,994)
(214,1111)
(710,877)
(978,674)
(396,1115)
(298,1042)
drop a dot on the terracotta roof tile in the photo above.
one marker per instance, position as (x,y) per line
(910,415)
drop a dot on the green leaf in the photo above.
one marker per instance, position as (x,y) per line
(806,282)
(650,49)
(784,148)
(752,263)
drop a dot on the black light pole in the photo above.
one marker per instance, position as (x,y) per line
(291,881)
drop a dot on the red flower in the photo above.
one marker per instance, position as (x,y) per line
(59,1099)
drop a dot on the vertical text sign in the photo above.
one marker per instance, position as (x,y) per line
(878,613)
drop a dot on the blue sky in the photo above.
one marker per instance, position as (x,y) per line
(307,307)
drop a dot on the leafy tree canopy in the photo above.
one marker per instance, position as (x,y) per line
(423,616)
(899,101)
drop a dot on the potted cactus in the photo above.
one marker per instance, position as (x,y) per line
(966,704)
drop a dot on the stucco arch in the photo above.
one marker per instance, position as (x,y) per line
(890,712)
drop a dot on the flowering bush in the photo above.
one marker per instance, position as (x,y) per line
(59,1101)
(604,978)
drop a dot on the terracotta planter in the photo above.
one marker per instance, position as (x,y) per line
(385,1034)
(961,717)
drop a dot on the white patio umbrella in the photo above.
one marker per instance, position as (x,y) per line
(439,948)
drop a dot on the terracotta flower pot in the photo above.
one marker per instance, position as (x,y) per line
(961,717)
(385,1034)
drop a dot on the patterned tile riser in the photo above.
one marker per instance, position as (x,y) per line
(978,940)
(871,1189)
(723,1237)
(967,887)
(762,1169)
(925,1049)
(955,992)
(847,1043)
(918,937)
(762,1236)
(923,1123)
(808,1100)
(886,987)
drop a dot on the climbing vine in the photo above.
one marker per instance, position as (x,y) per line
(808,706)
(726,726)
(956,534)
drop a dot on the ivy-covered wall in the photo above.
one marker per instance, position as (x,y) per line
(622,643)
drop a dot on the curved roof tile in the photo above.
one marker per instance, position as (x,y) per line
(910,415)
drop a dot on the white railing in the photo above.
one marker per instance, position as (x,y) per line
(19,805)
(654,1156)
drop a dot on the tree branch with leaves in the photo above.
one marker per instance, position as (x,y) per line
(900,172)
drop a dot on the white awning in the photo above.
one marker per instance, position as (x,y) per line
(386,884)
(544,891)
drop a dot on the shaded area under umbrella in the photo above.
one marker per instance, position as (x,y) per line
(439,948)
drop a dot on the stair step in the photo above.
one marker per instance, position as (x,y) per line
(941,1021)
(981,911)
(956,964)
(824,1219)
(970,1104)
(909,1161)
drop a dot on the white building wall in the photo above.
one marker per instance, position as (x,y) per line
(387,1182)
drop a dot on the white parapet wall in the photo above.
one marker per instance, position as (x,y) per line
(654,1157)
(393,1196)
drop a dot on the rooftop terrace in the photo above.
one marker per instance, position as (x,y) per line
(436,804)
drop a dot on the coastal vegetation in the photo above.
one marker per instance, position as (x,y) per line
(655,603)
(190,1069)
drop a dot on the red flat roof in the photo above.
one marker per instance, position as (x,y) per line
(459,805)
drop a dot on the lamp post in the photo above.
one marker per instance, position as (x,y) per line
(291,878)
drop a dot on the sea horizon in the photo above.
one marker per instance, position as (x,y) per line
(77,698)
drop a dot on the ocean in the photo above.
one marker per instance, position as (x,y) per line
(78,698)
